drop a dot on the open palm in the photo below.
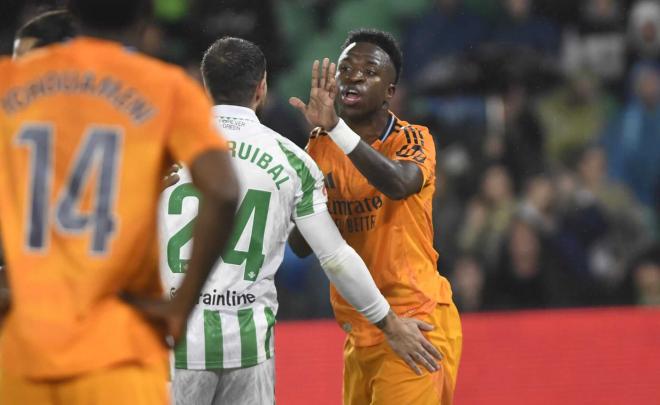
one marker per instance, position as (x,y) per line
(320,110)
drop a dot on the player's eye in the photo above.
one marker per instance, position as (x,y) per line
(371,72)
(343,69)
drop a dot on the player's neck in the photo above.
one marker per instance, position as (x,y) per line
(369,128)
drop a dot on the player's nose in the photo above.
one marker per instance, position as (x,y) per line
(356,75)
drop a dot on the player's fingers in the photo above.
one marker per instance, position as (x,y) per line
(298,104)
(427,361)
(332,72)
(324,73)
(332,91)
(431,349)
(170,180)
(315,74)
(411,363)
(423,325)
(332,81)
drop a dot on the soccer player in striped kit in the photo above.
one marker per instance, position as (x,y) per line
(227,354)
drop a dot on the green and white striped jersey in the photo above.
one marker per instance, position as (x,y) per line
(232,325)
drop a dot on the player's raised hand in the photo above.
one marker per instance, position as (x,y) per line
(405,338)
(320,110)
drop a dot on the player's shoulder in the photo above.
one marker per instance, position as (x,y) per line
(5,62)
(288,147)
(318,139)
(411,133)
(5,65)
(298,158)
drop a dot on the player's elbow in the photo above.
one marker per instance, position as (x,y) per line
(396,190)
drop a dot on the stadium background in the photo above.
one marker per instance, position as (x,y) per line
(547,118)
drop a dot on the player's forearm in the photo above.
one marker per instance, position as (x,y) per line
(298,244)
(214,177)
(5,294)
(395,179)
(348,273)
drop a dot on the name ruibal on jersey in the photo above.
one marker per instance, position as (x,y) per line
(261,159)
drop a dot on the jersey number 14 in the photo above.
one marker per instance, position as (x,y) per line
(255,202)
(99,153)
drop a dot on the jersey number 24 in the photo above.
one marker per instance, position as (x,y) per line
(255,201)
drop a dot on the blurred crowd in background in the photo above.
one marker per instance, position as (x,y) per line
(546,114)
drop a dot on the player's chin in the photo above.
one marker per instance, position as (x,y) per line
(353,110)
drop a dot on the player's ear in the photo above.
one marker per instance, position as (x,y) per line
(391,90)
(263,85)
(261,93)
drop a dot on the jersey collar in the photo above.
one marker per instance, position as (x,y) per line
(235,111)
(388,128)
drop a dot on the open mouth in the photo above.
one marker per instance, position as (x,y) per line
(350,97)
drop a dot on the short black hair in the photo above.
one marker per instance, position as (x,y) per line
(49,28)
(383,40)
(110,14)
(232,69)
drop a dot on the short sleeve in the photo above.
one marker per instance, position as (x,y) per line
(311,196)
(415,144)
(193,129)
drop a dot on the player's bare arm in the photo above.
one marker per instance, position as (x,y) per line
(396,179)
(214,177)
(5,295)
(349,274)
(298,244)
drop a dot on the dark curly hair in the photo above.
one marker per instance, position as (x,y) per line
(383,40)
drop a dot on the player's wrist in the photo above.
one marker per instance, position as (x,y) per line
(344,137)
(387,322)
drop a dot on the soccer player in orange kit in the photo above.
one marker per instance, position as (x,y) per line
(380,175)
(87,129)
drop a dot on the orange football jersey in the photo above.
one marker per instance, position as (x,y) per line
(87,129)
(394,238)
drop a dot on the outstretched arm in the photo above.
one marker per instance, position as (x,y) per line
(350,276)
(395,179)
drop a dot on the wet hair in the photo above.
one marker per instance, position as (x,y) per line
(49,28)
(383,40)
(110,14)
(232,69)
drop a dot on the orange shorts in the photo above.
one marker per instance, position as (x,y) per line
(127,384)
(375,375)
